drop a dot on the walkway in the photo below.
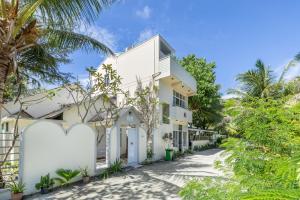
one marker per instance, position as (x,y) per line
(161,180)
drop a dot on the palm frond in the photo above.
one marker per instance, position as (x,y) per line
(66,39)
(71,11)
(25,13)
(41,62)
(287,67)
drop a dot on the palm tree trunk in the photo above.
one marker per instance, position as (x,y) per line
(3,77)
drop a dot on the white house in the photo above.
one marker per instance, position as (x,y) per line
(59,108)
(154,59)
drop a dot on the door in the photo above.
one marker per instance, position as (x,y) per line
(132,146)
(180,137)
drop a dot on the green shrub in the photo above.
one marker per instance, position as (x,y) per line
(114,168)
(84,172)
(45,182)
(149,154)
(66,175)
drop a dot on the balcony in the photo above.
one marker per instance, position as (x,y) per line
(178,77)
(180,114)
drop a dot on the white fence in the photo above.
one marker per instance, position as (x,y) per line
(46,147)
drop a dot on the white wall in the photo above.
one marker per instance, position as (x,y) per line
(47,147)
(112,145)
(140,61)
(199,143)
(142,137)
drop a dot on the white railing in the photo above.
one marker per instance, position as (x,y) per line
(168,66)
(181,114)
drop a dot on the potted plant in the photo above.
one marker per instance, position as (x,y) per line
(17,190)
(45,184)
(85,175)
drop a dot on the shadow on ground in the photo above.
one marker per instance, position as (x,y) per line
(161,180)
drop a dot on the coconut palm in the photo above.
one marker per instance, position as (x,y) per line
(32,43)
(257,82)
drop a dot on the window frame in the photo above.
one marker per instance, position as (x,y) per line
(179,99)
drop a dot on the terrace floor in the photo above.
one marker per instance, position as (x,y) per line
(161,180)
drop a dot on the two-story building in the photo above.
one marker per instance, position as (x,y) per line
(155,59)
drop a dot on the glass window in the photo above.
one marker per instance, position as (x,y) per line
(179,100)
(106,79)
(184,138)
(165,113)
(175,139)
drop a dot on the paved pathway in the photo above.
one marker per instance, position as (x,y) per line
(161,180)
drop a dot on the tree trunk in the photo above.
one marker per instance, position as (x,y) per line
(3,77)
(149,144)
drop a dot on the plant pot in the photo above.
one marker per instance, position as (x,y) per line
(45,190)
(85,179)
(16,196)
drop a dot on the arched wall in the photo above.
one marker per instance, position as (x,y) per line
(46,147)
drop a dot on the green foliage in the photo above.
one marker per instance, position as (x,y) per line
(264,157)
(257,82)
(66,175)
(84,172)
(45,182)
(206,104)
(149,154)
(17,187)
(114,168)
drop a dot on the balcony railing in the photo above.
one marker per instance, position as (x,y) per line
(168,66)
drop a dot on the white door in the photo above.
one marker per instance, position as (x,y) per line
(132,146)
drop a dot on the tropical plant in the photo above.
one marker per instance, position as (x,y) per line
(257,82)
(264,158)
(114,168)
(45,182)
(84,172)
(17,187)
(206,103)
(66,175)
(33,43)
(146,103)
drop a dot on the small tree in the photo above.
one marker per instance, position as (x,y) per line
(99,96)
(146,102)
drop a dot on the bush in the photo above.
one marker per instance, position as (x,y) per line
(45,182)
(66,175)
(114,168)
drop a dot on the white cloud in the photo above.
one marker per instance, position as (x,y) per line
(146,34)
(145,13)
(99,33)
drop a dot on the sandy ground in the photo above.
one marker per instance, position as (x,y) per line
(161,180)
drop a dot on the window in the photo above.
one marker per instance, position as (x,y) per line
(175,139)
(4,127)
(165,113)
(106,79)
(184,135)
(179,100)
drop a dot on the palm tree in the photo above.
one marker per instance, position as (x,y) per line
(257,82)
(32,43)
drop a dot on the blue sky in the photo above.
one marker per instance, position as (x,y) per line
(232,33)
